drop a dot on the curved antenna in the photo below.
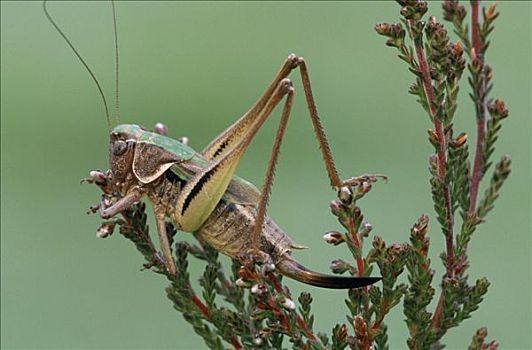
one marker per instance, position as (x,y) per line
(117,104)
(81,60)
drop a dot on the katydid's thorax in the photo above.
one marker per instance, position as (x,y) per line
(141,135)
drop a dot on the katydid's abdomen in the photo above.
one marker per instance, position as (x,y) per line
(229,230)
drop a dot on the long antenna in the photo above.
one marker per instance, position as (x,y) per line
(81,60)
(117,102)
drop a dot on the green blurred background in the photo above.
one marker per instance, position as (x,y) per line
(197,67)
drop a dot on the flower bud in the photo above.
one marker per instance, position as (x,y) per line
(366,229)
(493,345)
(436,30)
(433,164)
(340,332)
(336,207)
(361,328)
(246,274)
(394,32)
(345,195)
(452,10)
(491,13)
(289,304)
(459,141)
(433,137)
(397,248)
(457,50)
(333,237)
(414,89)
(258,289)
(482,332)
(413,10)
(338,266)
(482,284)
(498,108)
(105,230)
(241,283)
(378,243)
(267,268)
(383,28)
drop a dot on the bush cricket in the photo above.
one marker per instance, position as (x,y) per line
(200,192)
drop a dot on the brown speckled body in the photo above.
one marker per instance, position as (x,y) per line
(206,198)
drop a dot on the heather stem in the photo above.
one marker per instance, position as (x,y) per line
(438,311)
(359,259)
(300,322)
(441,154)
(376,325)
(475,27)
(358,244)
(429,93)
(477,167)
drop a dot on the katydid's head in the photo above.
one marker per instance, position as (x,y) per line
(122,142)
(137,155)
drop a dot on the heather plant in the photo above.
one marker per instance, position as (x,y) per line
(250,307)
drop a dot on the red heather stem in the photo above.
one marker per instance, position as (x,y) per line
(276,284)
(202,308)
(477,167)
(358,244)
(301,323)
(360,260)
(377,323)
(199,304)
(235,342)
(438,312)
(427,87)
(205,312)
(475,27)
(441,154)
(277,313)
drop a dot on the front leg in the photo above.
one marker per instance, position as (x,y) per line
(163,239)
(127,201)
(123,203)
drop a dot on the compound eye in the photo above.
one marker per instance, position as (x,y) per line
(119,148)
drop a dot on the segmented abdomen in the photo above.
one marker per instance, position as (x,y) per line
(229,230)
